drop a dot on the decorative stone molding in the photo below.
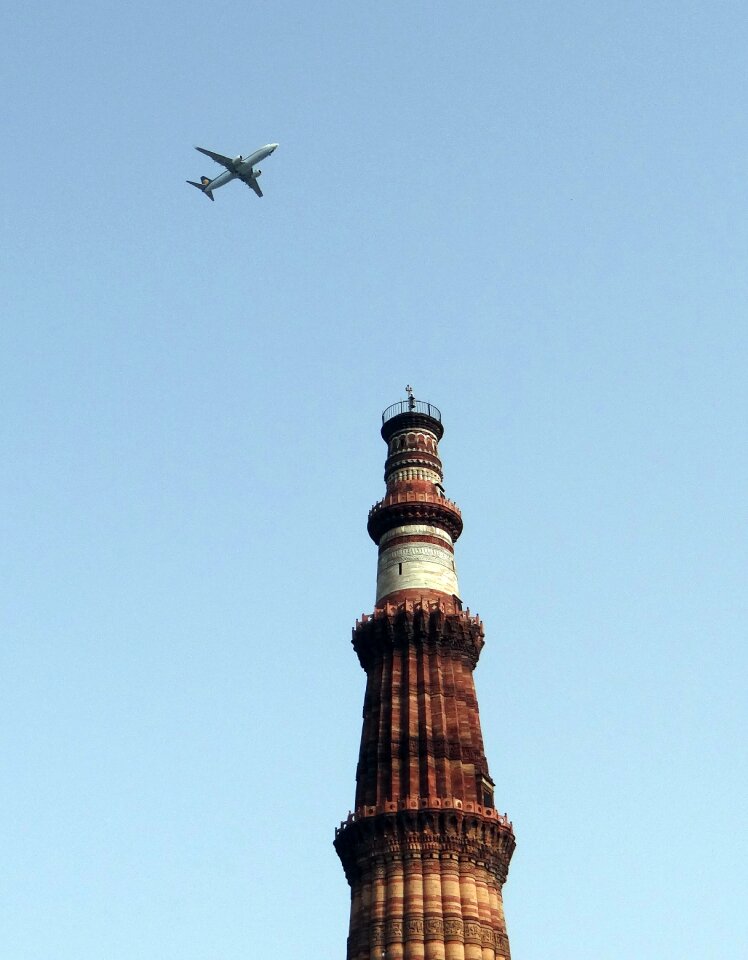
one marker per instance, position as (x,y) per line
(414,928)
(393,931)
(402,509)
(447,833)
(433,928)
(454,929)
(472,932)
(454,634)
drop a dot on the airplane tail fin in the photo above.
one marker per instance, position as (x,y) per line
(203,185)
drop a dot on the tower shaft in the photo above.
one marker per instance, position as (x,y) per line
(425,851)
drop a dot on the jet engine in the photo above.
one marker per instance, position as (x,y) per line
(256,173)
(238,159)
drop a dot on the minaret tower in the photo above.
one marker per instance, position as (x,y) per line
(425,851)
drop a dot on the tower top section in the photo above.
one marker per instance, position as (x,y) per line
(414,525)
(411,412)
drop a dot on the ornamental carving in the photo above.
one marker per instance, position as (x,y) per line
(424,552)
(472,932)
(501,942)
(434,928)
(453,929)
(394,931)
(414,928)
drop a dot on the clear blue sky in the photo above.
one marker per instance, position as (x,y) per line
(536,213)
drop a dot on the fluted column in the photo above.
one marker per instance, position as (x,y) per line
(503,950)
(394,911)
(356,925)
(454,938)
(470,916)
(432,908)
(414,949)
(488,951)
(378,912)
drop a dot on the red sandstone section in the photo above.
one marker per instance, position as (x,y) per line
(421,735)
(409,598)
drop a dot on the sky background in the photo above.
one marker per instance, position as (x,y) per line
(536,214)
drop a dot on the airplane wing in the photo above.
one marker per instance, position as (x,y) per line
(255,186)
(219,158)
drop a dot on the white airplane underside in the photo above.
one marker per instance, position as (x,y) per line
(240,168)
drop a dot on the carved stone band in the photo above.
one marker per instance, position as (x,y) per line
(454,930)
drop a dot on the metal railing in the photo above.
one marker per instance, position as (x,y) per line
(412,406)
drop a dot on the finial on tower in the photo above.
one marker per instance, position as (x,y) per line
(411,398)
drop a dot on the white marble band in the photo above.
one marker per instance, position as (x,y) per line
(414,530)
(416,565)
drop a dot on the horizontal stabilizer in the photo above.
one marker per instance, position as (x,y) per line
(203,187)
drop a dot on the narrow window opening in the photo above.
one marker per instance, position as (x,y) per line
(485,790)
(400,569)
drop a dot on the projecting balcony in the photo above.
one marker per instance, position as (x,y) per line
(411,413)
(400,509)
(412,406)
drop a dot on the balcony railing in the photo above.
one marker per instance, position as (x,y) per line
(412,406)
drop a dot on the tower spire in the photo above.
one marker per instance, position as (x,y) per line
(425,851)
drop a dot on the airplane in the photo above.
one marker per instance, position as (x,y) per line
(241,168)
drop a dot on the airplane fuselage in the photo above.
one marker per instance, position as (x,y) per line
(245,168)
